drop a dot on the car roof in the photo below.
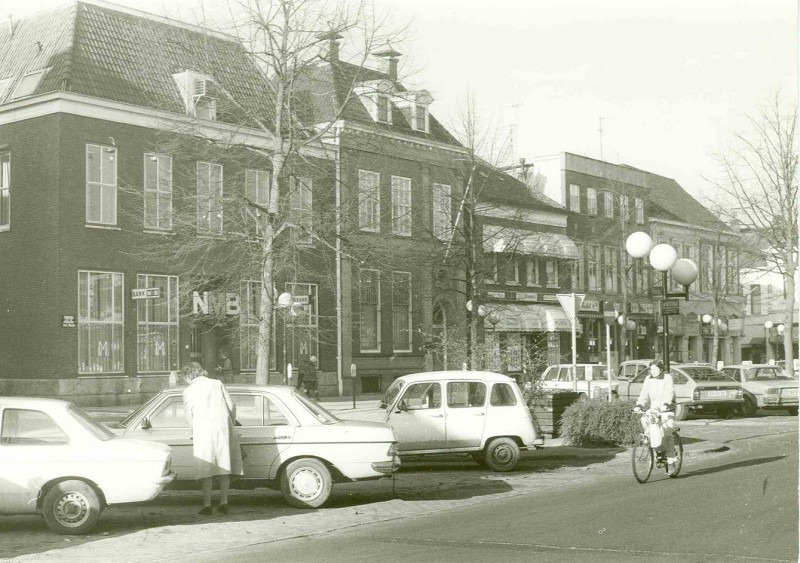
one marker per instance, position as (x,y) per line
(570,365)
(456,375)
(34,402)
(748,366)
(277,389)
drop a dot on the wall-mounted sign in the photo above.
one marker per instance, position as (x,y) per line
(527,296)
(496,294)
(550,297)
(592,305)
(203,303)
(68,321)
(146,293)
(670,307)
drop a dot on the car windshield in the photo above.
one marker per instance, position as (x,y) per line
(702,373)
(765,374)
(391,393)
(98,430)
(319,413)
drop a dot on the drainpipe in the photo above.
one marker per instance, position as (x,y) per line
(339,320)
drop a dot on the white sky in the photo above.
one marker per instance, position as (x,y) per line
(671,79)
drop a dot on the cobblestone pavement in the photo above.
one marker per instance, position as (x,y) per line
(169,528)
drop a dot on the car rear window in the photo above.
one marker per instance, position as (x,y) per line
(100,432)
(706,374)
(465,394)
(502,395)
(24,427)
(765,374)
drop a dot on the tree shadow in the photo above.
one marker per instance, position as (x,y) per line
(727,466)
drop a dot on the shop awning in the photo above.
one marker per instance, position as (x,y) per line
(530,318)
(497,238)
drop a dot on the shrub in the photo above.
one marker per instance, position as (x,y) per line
(596,422)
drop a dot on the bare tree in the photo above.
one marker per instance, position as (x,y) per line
(759,183)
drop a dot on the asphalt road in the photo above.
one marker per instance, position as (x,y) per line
(738,507)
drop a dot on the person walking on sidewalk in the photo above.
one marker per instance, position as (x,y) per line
(210,413)
(225,368)
(307,377)
(658,392)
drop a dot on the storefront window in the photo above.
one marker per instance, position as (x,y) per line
(100,322)
(157,324)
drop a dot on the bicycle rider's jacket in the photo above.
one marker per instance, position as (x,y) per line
(657,392)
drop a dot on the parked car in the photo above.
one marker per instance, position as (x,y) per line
(55,460)
(592,380)
(765,387)
(698,388)
(289,442)
(629,369)
(480,413)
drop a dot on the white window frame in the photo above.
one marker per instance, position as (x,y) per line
(158,197)
(532,275)
(257,187)
(442,211)
(401,206)
(593,268)
(551,272)
(512,265)
(210,204)
(146,327)
(301,208)
(101,187)
(639,204)
(416,115)
(608,204)
(5,190)
(575,198)
(369,201)
(377,304)
(591,201)
(610,269)
(89,319)
(401,312)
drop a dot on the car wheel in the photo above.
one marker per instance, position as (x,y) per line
(502,454)
(749,407)
(792,411)
(306,483)
(681,412)
(71,507)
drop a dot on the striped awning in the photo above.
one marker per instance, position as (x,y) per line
(515,317)
(497,238)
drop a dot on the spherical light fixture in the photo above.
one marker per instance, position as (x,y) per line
(469,305)
(707,318)
(684,271)
(285,300)
(780,328)
(663,257)
(621,320)
(768,324)
(631,325)
(482,311)
(638,244)
(494,317)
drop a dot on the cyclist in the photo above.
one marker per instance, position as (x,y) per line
(658,392)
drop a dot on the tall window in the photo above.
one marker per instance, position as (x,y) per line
(551,272)
(532,273)
(370,306)
(755,299)
(722,269)
(591,201)
(157,192)
(592,267)
(608,204)
(303,322)
(623,206)
(384,111)
(257,190)
(575,198)
(401,206)
(369,201)
(5,191)
(512,269)
(442,211)
(401,311)
(707,267)
(249,322)
(157,325)
(577,269)
(638,203)
(641,277)
(421,118)
(626,270)
(101,185)
(733,271)
(101,315)
(209,198)
(300,207)
(611,268)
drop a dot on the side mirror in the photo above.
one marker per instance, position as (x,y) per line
(145,425)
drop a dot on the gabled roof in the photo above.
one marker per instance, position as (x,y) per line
(119,54)
(325,86)
(495,186)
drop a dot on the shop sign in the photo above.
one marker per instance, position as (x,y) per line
(68,321)
(496,294)
(670,307)
(592,305)
(527,296)
(550,297)
(205,302)
(706,331)
(643,308)
(146,293)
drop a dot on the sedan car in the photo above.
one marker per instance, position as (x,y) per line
(592,380)
(288,442)
(698,388)
(765,387)
(479,413)
(55,460)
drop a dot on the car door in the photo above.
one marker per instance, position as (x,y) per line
(166,422)
(264,429)
(32,447)
(465,413)
(418,418)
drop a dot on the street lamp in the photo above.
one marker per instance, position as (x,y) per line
(664,258)
(285,304)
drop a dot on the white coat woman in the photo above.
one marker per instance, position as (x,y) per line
(658,392)
(210,413)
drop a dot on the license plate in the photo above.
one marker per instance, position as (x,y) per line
(789,392)
(716,393)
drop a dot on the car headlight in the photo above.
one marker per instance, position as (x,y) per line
(772,391)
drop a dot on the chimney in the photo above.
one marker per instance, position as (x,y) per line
(389,63)
(332,55)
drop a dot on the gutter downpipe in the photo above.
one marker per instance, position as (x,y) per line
(338,198)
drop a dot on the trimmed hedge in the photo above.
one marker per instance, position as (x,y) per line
(599,422)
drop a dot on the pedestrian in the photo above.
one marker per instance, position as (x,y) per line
(211,415)
(307,377)
(225,368)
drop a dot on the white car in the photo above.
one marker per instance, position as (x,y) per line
(767,387)
(289,442)
(57,461)
(480,413)
(591,380)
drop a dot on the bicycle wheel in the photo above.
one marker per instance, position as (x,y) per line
(642,460)
(678,454)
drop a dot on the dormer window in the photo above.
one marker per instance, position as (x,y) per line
(28,84)
(199,93)
(414,106)
(383,110)
(420,118)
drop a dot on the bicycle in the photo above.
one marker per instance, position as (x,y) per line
(644,456)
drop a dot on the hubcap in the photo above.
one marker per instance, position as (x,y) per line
(306,483)
(503,454)
(72,509)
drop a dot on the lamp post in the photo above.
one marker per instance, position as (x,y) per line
(664,258)
(285,303)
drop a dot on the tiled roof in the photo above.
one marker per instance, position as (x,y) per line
(325,87)
(101,52)
(495,186)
